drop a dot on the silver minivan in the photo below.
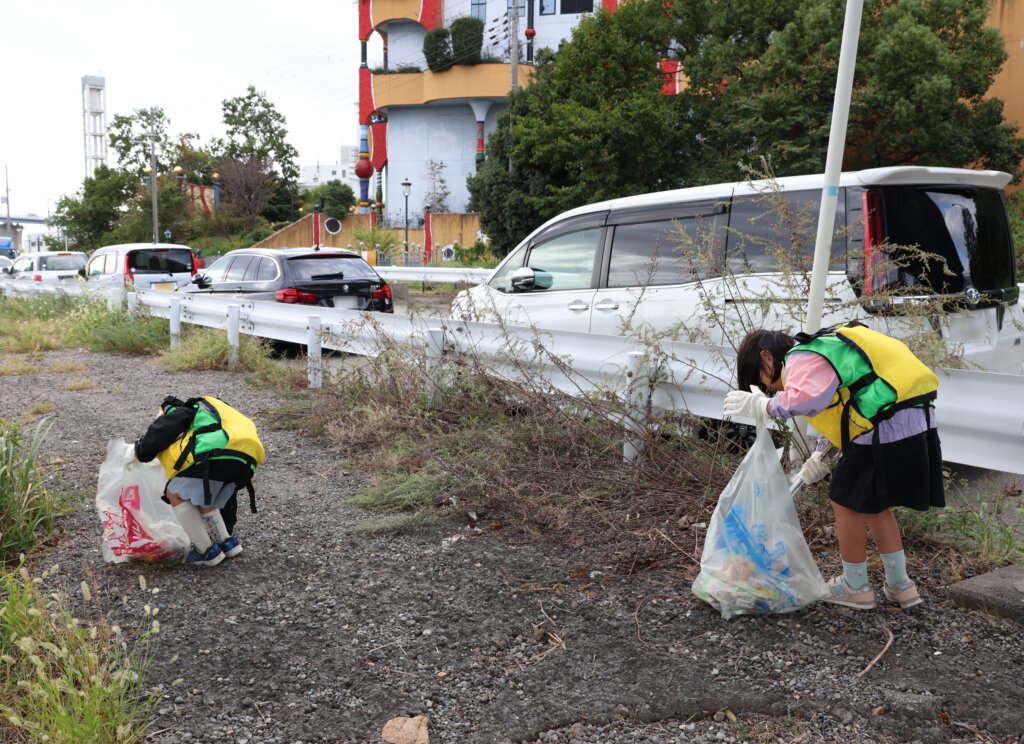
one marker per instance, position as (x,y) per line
(905,238)
(165,266)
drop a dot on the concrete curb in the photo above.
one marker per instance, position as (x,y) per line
(1000,592)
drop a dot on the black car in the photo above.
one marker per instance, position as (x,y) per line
(329,277)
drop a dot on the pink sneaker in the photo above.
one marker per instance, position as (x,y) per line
(907,596)
(840,593)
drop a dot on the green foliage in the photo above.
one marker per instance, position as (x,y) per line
(477,254)
(437,48)
(258,233)
(1015,209)
(761,79)
(337,196)
(65,681)
(594,125)
(88,217)
(467,36)
(26,509)
(255,128)
(136,224)
(383,241)
(130,139)
(97,327)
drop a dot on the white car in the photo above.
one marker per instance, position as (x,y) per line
(165,266)
(5,265)
(49,266)
(617,267)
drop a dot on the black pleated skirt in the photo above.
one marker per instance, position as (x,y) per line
(908,472)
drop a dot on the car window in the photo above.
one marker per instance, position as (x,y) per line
(61,263)
(777,230)
(663,252)
(965,227)
(328,266)
(267,270)
(95,265)
(161,260)
(565,262)
(252,270)
(216,272)
(237,268)
(22,264)
(500,280)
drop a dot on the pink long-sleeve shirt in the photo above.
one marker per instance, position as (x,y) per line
(810,385)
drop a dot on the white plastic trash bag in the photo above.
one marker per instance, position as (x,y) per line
(137,524)
(756,560)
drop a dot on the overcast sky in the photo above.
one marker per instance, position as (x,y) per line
(186,57)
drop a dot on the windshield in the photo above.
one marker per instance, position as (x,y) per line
(330,266)
(72,262)
(160,260)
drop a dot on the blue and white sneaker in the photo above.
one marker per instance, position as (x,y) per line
(231,547)
(211,557)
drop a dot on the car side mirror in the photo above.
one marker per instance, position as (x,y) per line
(81,272)
(523,279)
(198,279)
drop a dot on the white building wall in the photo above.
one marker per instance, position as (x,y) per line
(405,44)
(416,135)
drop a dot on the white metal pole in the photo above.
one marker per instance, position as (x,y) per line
(233,338)
(314,352)
(833,164)
(175,317)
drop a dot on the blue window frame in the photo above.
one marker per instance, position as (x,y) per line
(478,9)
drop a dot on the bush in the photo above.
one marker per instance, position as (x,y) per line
(437,48)
(467,40)
(257,234)
(26,509)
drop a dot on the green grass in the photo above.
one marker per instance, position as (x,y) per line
(208,349)
(27,511)
(62,680)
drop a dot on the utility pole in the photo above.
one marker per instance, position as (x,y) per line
(152,174)
(7,184)
(513,41)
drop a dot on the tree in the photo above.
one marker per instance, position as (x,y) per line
(337,196)
(593,125)
(129,138)
(437,189)
(248,187)
(762,76)
(255,129)
(94,212)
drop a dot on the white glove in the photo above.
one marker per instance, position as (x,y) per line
(814,469)
(129,454)
(752,405)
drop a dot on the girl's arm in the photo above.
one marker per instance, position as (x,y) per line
(811,384)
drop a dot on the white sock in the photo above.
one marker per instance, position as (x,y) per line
(191,521)
(215,526)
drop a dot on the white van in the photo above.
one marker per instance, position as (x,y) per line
(164,266)
(616,267)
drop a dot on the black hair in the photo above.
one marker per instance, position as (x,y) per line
(748,357)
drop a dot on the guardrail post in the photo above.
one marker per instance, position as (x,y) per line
(435,356)
(638,407)
(175,317)
(314,352)
(114,298)
(233,340)
(133,304)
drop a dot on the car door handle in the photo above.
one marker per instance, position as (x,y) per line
(579,305)
(607,305)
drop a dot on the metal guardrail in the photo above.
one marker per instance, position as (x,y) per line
(433,274)
(980,415)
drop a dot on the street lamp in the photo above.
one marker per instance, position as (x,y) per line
(406,186)
(181,177)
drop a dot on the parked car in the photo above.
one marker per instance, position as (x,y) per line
(600,267)
(5,265)
(329,277)
(49,266)
(164,266)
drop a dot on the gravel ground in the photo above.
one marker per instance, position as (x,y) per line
(322,633)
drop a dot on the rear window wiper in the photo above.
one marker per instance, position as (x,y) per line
(338,275)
